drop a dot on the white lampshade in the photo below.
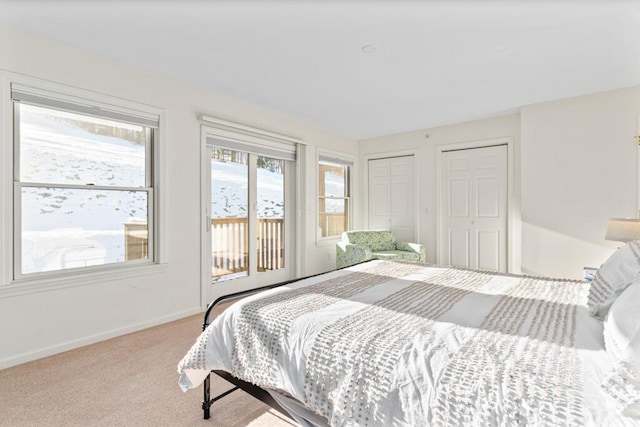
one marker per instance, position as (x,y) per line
(623,229)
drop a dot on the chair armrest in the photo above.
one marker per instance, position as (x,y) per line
(413,247)
(349,254)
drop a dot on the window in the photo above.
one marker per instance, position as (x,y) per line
(251,202)
(83,184)
(334,195)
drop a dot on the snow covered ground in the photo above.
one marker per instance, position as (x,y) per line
(65,228)
(229,191)
(229,188)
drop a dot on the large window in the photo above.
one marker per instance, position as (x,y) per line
(334,195)
(83,185)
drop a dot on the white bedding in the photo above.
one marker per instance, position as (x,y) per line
(387,343)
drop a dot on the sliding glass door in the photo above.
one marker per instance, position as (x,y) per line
(229,213)
(270,214)
(249,213)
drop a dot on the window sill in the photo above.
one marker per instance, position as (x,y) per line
(44,284)
(327,241)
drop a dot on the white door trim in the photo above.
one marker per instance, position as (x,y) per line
(416,189)
(637,212)
(511,211)
(205,219)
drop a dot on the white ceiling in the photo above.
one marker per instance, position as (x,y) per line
(438,62)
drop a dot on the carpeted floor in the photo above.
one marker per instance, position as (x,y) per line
(126,381)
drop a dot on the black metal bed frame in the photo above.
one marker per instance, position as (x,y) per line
(252,389)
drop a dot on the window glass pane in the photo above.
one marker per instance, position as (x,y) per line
(333,201)
(334,218)
(334,206)
(332,180)
(58,147)
(68,228)
(229,213)
(270,201)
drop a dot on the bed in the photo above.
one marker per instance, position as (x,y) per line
(388,343)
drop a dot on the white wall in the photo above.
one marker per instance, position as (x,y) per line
(579,168)
(33,325)
(504,126)
(575,167)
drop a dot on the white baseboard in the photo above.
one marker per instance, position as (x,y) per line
(70,345)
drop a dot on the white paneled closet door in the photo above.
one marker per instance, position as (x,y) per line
(392,196)
(474,208)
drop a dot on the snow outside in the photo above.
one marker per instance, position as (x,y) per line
(70,227)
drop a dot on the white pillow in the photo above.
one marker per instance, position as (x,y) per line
(622,322)
(619,271)
(623,384)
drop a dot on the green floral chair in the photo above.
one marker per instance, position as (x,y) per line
(362,245)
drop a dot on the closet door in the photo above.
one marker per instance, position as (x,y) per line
(392,196)
(474,208)
(379,194)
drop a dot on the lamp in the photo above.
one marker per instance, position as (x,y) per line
(623,229)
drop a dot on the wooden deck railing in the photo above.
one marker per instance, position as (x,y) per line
(332,223)
(136,240)
(230,245)
(270,243)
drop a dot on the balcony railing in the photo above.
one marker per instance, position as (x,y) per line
(230,245)
(136,241)
(332,223)
(270,244)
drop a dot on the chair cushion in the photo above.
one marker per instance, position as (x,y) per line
(376,240)
(403,255)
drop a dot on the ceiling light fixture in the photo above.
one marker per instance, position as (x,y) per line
(369,49)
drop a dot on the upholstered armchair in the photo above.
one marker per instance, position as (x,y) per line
(362,245)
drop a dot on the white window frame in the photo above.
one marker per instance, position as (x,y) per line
(11,282)
(338,158)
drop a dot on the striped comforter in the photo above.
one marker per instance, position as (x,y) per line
(390,343)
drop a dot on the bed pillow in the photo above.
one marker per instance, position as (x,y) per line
(622,322)
(623,384)
(619,271)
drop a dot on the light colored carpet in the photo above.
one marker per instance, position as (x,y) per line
(126,381)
